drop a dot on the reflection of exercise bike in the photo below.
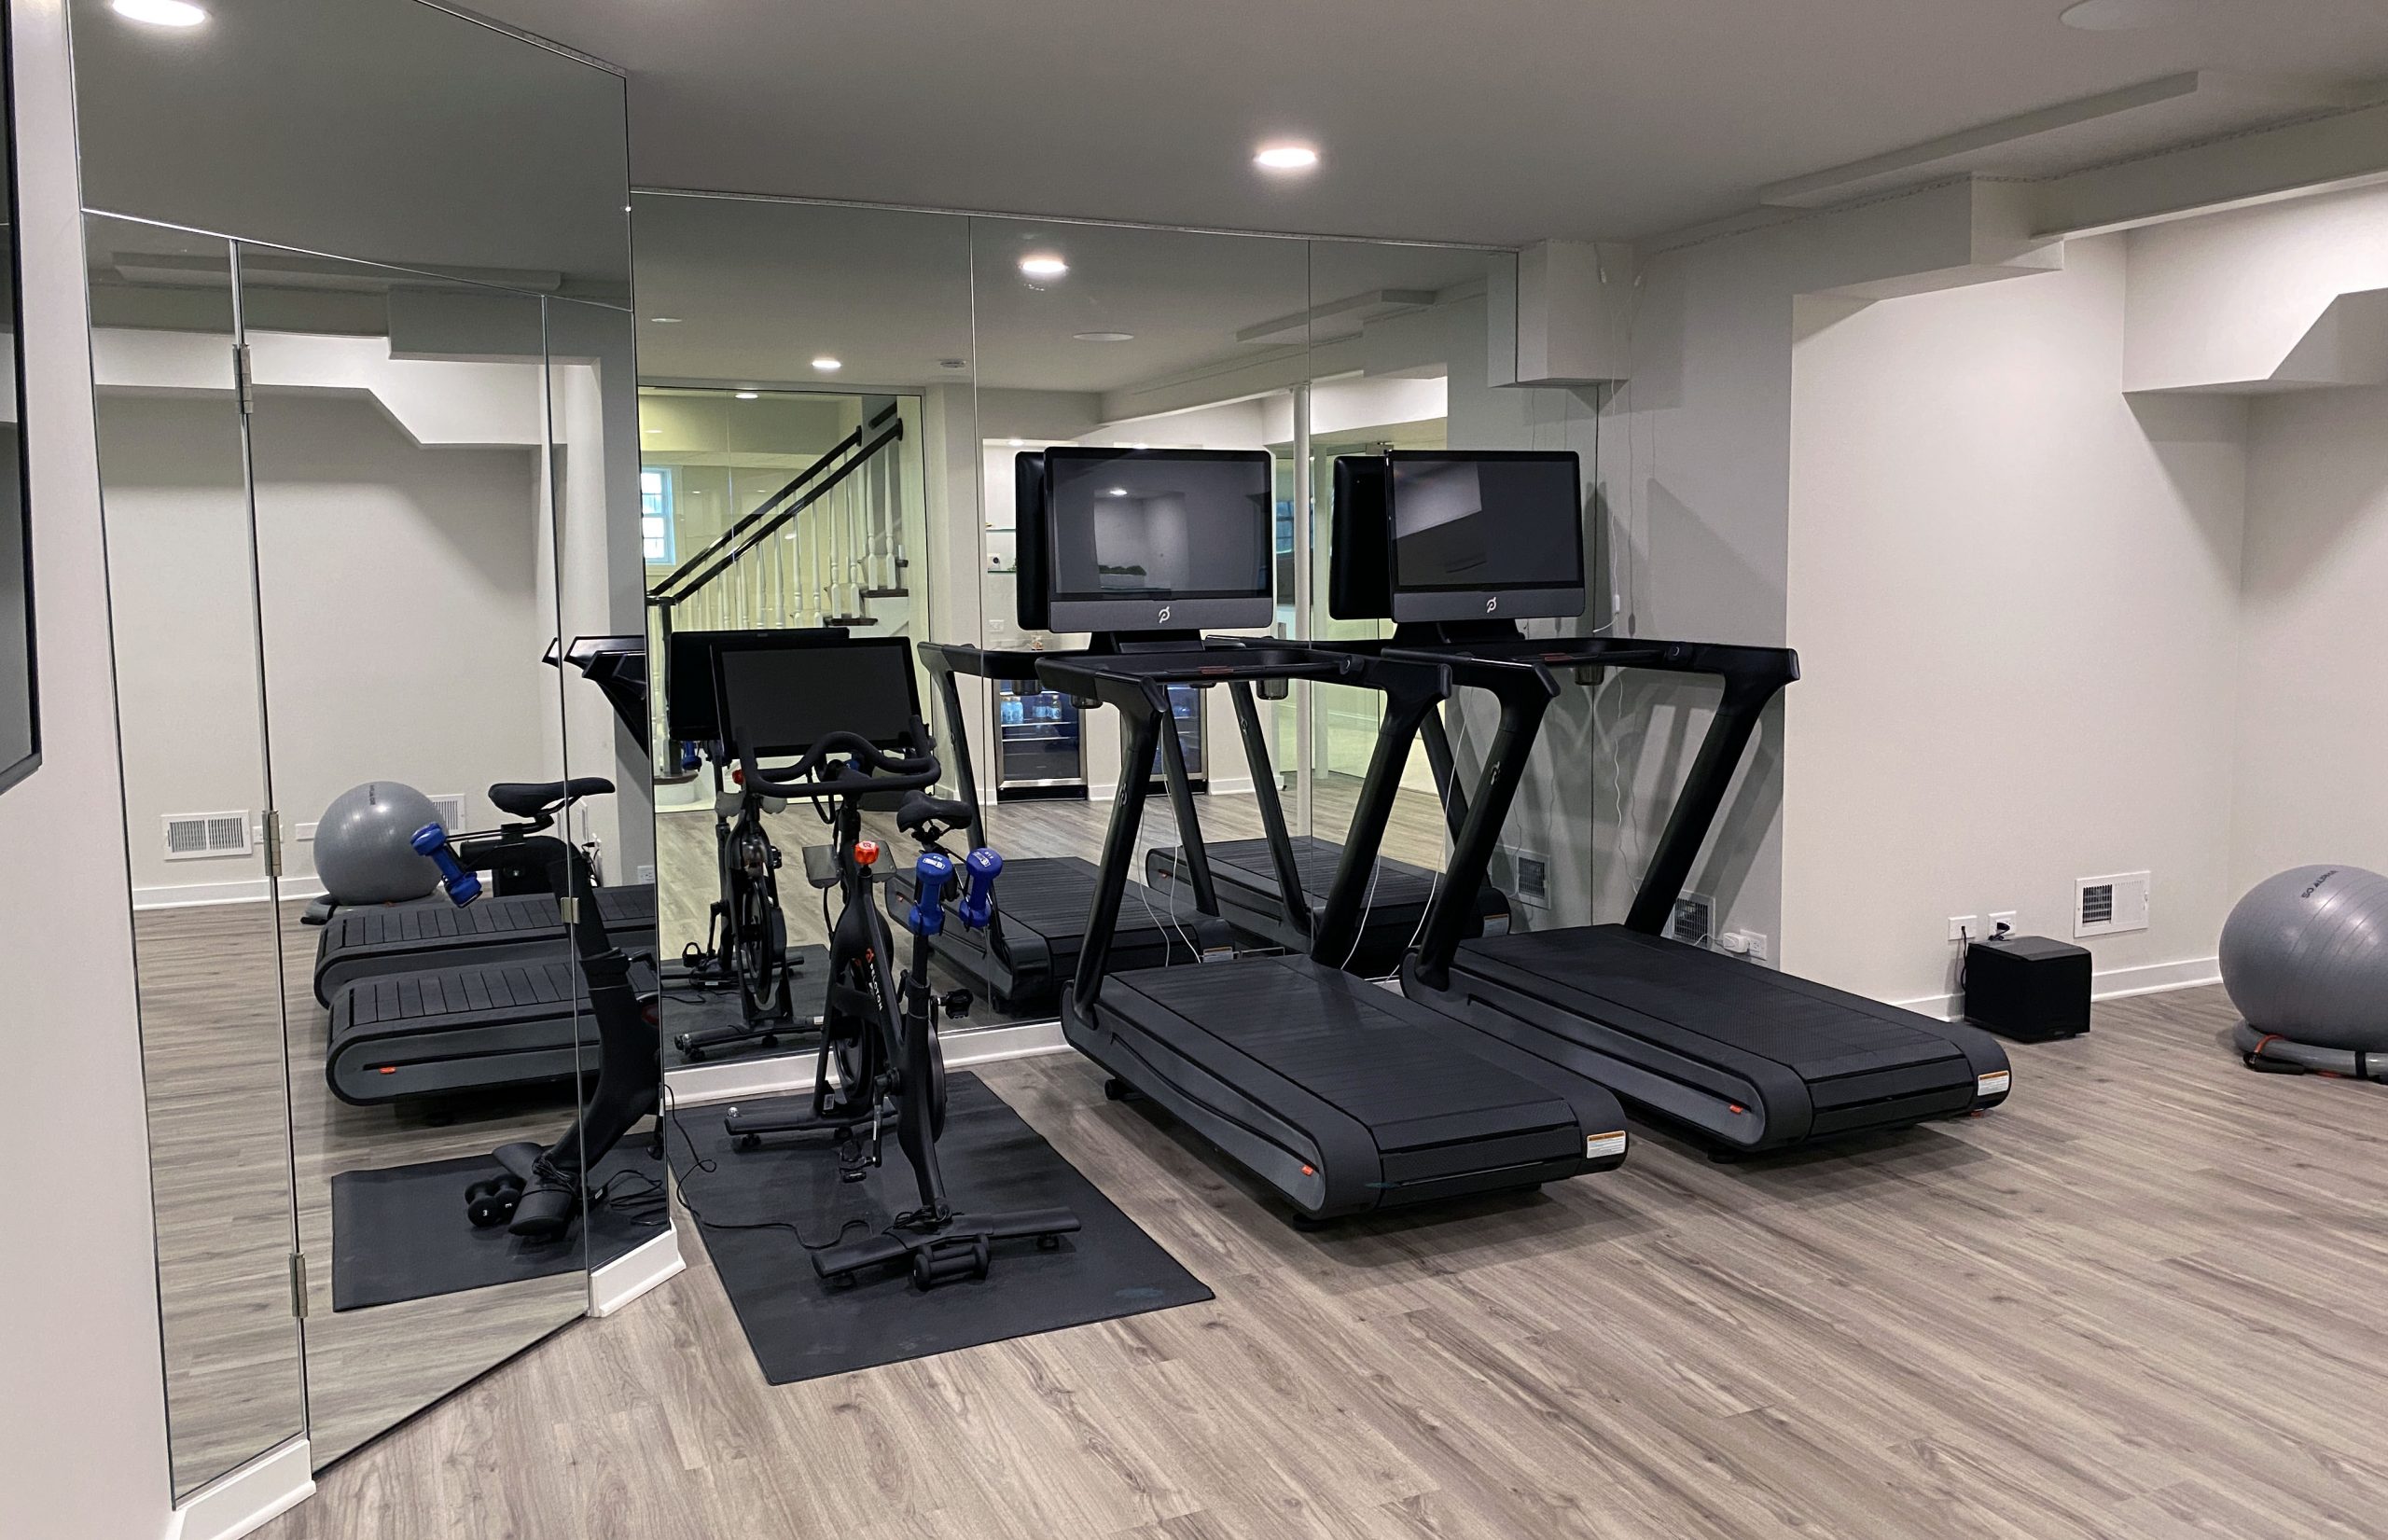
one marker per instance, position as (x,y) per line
(881,1064)
(545,1187)
(746,943)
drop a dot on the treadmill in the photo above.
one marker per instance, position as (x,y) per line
(1341,1096)
(1747,1058)
(429,1000)
(372,941)
(1252,899)
(1031,947)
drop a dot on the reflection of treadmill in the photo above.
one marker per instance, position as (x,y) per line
(1251,899)
(1341,1096)
(1021,958)
(427,999)
(1749,1058)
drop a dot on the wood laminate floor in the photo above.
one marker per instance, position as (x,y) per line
(2142,1299)
(224,1128)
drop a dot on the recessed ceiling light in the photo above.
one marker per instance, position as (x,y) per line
(827,365)
(1043,267)
(665,320)
(655,430)
(2127,15)
(1139,445)
(1285,157)
(1017,443)
(953,363)
(161,13)
(1119,492)
(750,396)
(1105,336)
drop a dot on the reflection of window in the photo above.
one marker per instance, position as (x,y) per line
(1285,526)
(655,513)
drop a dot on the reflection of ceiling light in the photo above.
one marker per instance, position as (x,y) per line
(827,365)
(1043,267)
(750,396)
(1119,492)
(1139,445)
(2127,15)
(665,320)
(1018,443)
(655,430)
(1285,157)
(1104,336)
(161,13)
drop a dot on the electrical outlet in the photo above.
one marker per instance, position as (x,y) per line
(2002,918)
(647,874)
(1742,943)
(1963,927)
(1756,942)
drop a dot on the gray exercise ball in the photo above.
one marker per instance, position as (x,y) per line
(2305,955)
(364,850)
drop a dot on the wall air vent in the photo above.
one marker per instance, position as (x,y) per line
(1529,877)
(1694,919)
(2105,906)
(197,836)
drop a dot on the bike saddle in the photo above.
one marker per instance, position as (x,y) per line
(921,809)
(529,798)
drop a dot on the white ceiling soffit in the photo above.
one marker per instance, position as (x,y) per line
(2116,125)
(1337,318)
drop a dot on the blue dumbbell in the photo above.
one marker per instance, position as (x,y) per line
(977,906)
(933,871)
(463,886)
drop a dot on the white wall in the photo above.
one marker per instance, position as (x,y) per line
(403,616)
(2014,594)
(83,1417)
(2312,750)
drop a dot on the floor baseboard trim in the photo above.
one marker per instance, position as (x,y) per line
(2114,984)
(246,1499)
(628,1278)
(250,890)
(789,1073)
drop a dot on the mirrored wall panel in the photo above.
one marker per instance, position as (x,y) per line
(808,399)
(388,129)
(369,469)
(183,601)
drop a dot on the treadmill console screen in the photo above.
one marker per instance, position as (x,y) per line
(1491,535)
(781,699)
(1150,540)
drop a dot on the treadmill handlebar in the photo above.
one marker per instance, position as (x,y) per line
(1142,680)
(1002,668)
(431,841)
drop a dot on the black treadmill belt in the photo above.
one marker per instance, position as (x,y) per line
(1396,884)
(1374,1056)
(399,938)
(1819,1032)
(1050,895)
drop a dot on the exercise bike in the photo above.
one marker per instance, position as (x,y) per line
(544,1188)
(881,1062)
(745,946)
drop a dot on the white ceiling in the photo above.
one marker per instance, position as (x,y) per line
(759,289)
(1500,121)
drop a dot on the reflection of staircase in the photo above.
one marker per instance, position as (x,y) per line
(820,552)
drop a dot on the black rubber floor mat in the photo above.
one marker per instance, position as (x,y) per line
(801,1328)
(401,1233)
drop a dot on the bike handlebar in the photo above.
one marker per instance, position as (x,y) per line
(879,770)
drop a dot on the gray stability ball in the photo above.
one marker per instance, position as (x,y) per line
(2305,956)
(364,850)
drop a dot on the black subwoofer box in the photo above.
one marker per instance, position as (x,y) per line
(2028,987)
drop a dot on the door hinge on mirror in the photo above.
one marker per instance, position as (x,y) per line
(570,909)
(272,842)
(299,1284)
(245,371)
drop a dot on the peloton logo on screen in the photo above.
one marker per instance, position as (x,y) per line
(1164,614)
(1493,603)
